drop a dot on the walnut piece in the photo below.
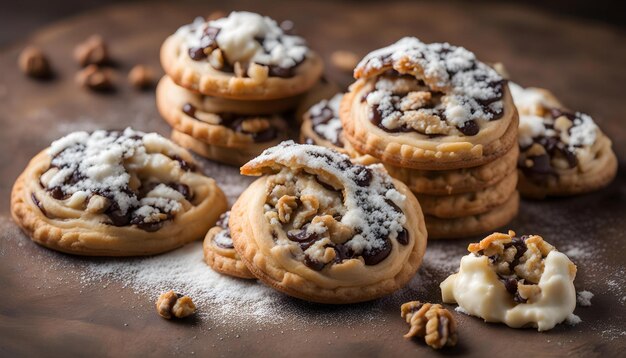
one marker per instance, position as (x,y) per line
(259,73)
(171,304)
(344,60)
(425,122)
(93,51)
(431,321)
(255,125)
(95,78)
(216,59)
(286,206)
(141,77)
(309,208)
(415,100)
(34,63)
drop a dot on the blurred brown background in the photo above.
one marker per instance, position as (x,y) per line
(19,18)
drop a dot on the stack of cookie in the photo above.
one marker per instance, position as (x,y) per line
(229,83)
(442,122)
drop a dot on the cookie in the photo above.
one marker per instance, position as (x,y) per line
(184,112)
(428,106)
(230,156)
(466,204)
(475,224)
(219,252)
(243,56)
(318,227)
(520,281)
(457,181)
(323,90)
(111,193)
(562,152)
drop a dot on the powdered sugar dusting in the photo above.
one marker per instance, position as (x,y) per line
(369,194)
(467,83)
(331,129)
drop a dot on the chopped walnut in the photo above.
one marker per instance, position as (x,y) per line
(286,206)
(518,262)
(431,321)
(93,51)
(171,304)
(216,59)
(95,78)
(259,73)
(415,100)
(425,122)
(255,125)
(141,77)
(344,60)
(338,232)
(34,63)
(562,124)
(309,208)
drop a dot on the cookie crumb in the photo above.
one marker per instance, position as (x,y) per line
(34,63)
(584,298)
(141,77)
(93,51)
(431,321)
(344,60)
(171,304)
(95,78)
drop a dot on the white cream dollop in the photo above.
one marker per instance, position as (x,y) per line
(478,291)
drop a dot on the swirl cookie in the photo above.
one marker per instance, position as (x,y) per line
(529,283)
(561,152)
(185,113)
(219,252)
(114,194)
(428,106)
(318,227)
(242,56)
(466,226)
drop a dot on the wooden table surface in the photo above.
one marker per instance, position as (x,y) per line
(47,311)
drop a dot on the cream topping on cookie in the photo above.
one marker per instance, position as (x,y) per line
(547,130)
(325,121)
(469,90)
(518,281)
(367,215)
(245,37)
(103,166)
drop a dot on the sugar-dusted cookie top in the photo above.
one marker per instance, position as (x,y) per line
(370,208)
(241,39)
(325,122)
(110,170)
(454,90)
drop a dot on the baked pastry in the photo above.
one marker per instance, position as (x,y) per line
(322,90)
(111,193)
(471,225)
(219,252)
(231,156)
(520,281)
(242,56)
(428,106)
(457,181)
(561,152)
(185,112)
(320,228)
(472,203)
(321,126)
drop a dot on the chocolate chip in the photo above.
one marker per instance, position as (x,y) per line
(57,193)
(282,72)
(190,110)
(403,237)
(313,264)
(197,53)
(342,252)
(375,256)
(362,175)
(469,128)
(302,237)
(184,165)
(510,284)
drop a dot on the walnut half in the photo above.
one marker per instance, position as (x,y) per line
(171,304)
(431,321)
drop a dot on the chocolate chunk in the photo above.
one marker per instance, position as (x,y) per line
(282,72)
(510,284)
(342,252)
(403,237)
(469,128)
(190,110)
(57,193)
(375,256)
(363,175)
(150,227)
(184,165)
(313,264)
(197,53)
(302,237)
